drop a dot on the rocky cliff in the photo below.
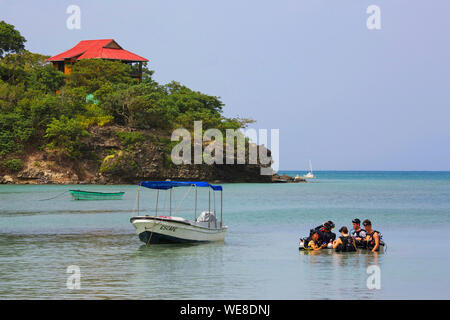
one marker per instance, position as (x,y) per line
(114,156)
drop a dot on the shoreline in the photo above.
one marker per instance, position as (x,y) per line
(7,180)
(17,180)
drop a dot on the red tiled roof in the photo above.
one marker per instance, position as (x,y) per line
(105,48)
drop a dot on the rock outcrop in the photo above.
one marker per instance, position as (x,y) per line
(109,160)
(276,178)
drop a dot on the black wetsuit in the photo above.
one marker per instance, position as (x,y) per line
(325,236)
(370,244)
(361,233)
(307,241)
(348,245)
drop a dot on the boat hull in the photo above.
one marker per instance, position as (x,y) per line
(160,230)
(87,195)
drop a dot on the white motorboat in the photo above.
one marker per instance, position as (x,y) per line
(172,229)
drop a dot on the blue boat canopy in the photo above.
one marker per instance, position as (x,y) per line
(165,185)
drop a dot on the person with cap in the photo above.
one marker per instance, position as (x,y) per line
(358,233)
(344,243)
(325,234)
(373,238)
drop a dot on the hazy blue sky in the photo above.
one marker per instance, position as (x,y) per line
(346,97)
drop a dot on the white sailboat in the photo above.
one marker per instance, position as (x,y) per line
(310,174)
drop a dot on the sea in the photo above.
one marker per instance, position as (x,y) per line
(53,247)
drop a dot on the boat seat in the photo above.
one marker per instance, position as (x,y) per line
(207,216)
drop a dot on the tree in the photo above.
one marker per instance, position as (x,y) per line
(10,39)
(94,73)
(65,135)
(15,131)
(40,106)
(31,70)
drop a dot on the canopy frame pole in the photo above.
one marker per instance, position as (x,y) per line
(215,216)
(170,210)
(157,198)
(195,210)
(221,207)
(139,191)
(209,208)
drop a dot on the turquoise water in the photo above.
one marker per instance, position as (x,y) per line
(260,257)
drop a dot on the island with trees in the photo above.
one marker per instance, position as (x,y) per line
(99,124)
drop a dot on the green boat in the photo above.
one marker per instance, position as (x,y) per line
(91,195)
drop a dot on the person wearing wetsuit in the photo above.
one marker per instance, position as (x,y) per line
(372,240)
(313,241)
(331,223)
(344,243)
(325,234)
(358,233)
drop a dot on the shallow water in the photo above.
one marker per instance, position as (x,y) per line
(260,257)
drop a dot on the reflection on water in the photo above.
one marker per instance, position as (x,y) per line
(338,275)
(181,270)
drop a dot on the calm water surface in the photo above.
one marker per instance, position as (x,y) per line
(260,257)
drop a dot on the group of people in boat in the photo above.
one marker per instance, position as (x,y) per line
(322,237)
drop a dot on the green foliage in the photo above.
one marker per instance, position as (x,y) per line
(13,165)
(150,105)
(15,131)
(94,73)
(42,107)
(130,138)
(137,106)
(10,39)
(119,161)
(65,135)
(167,161)
(94,115)
(46,79)
(31,71)
(111,162)
(167,144)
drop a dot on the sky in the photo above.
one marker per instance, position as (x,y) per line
(341,95)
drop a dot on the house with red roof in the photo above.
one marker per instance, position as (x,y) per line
(90,49)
